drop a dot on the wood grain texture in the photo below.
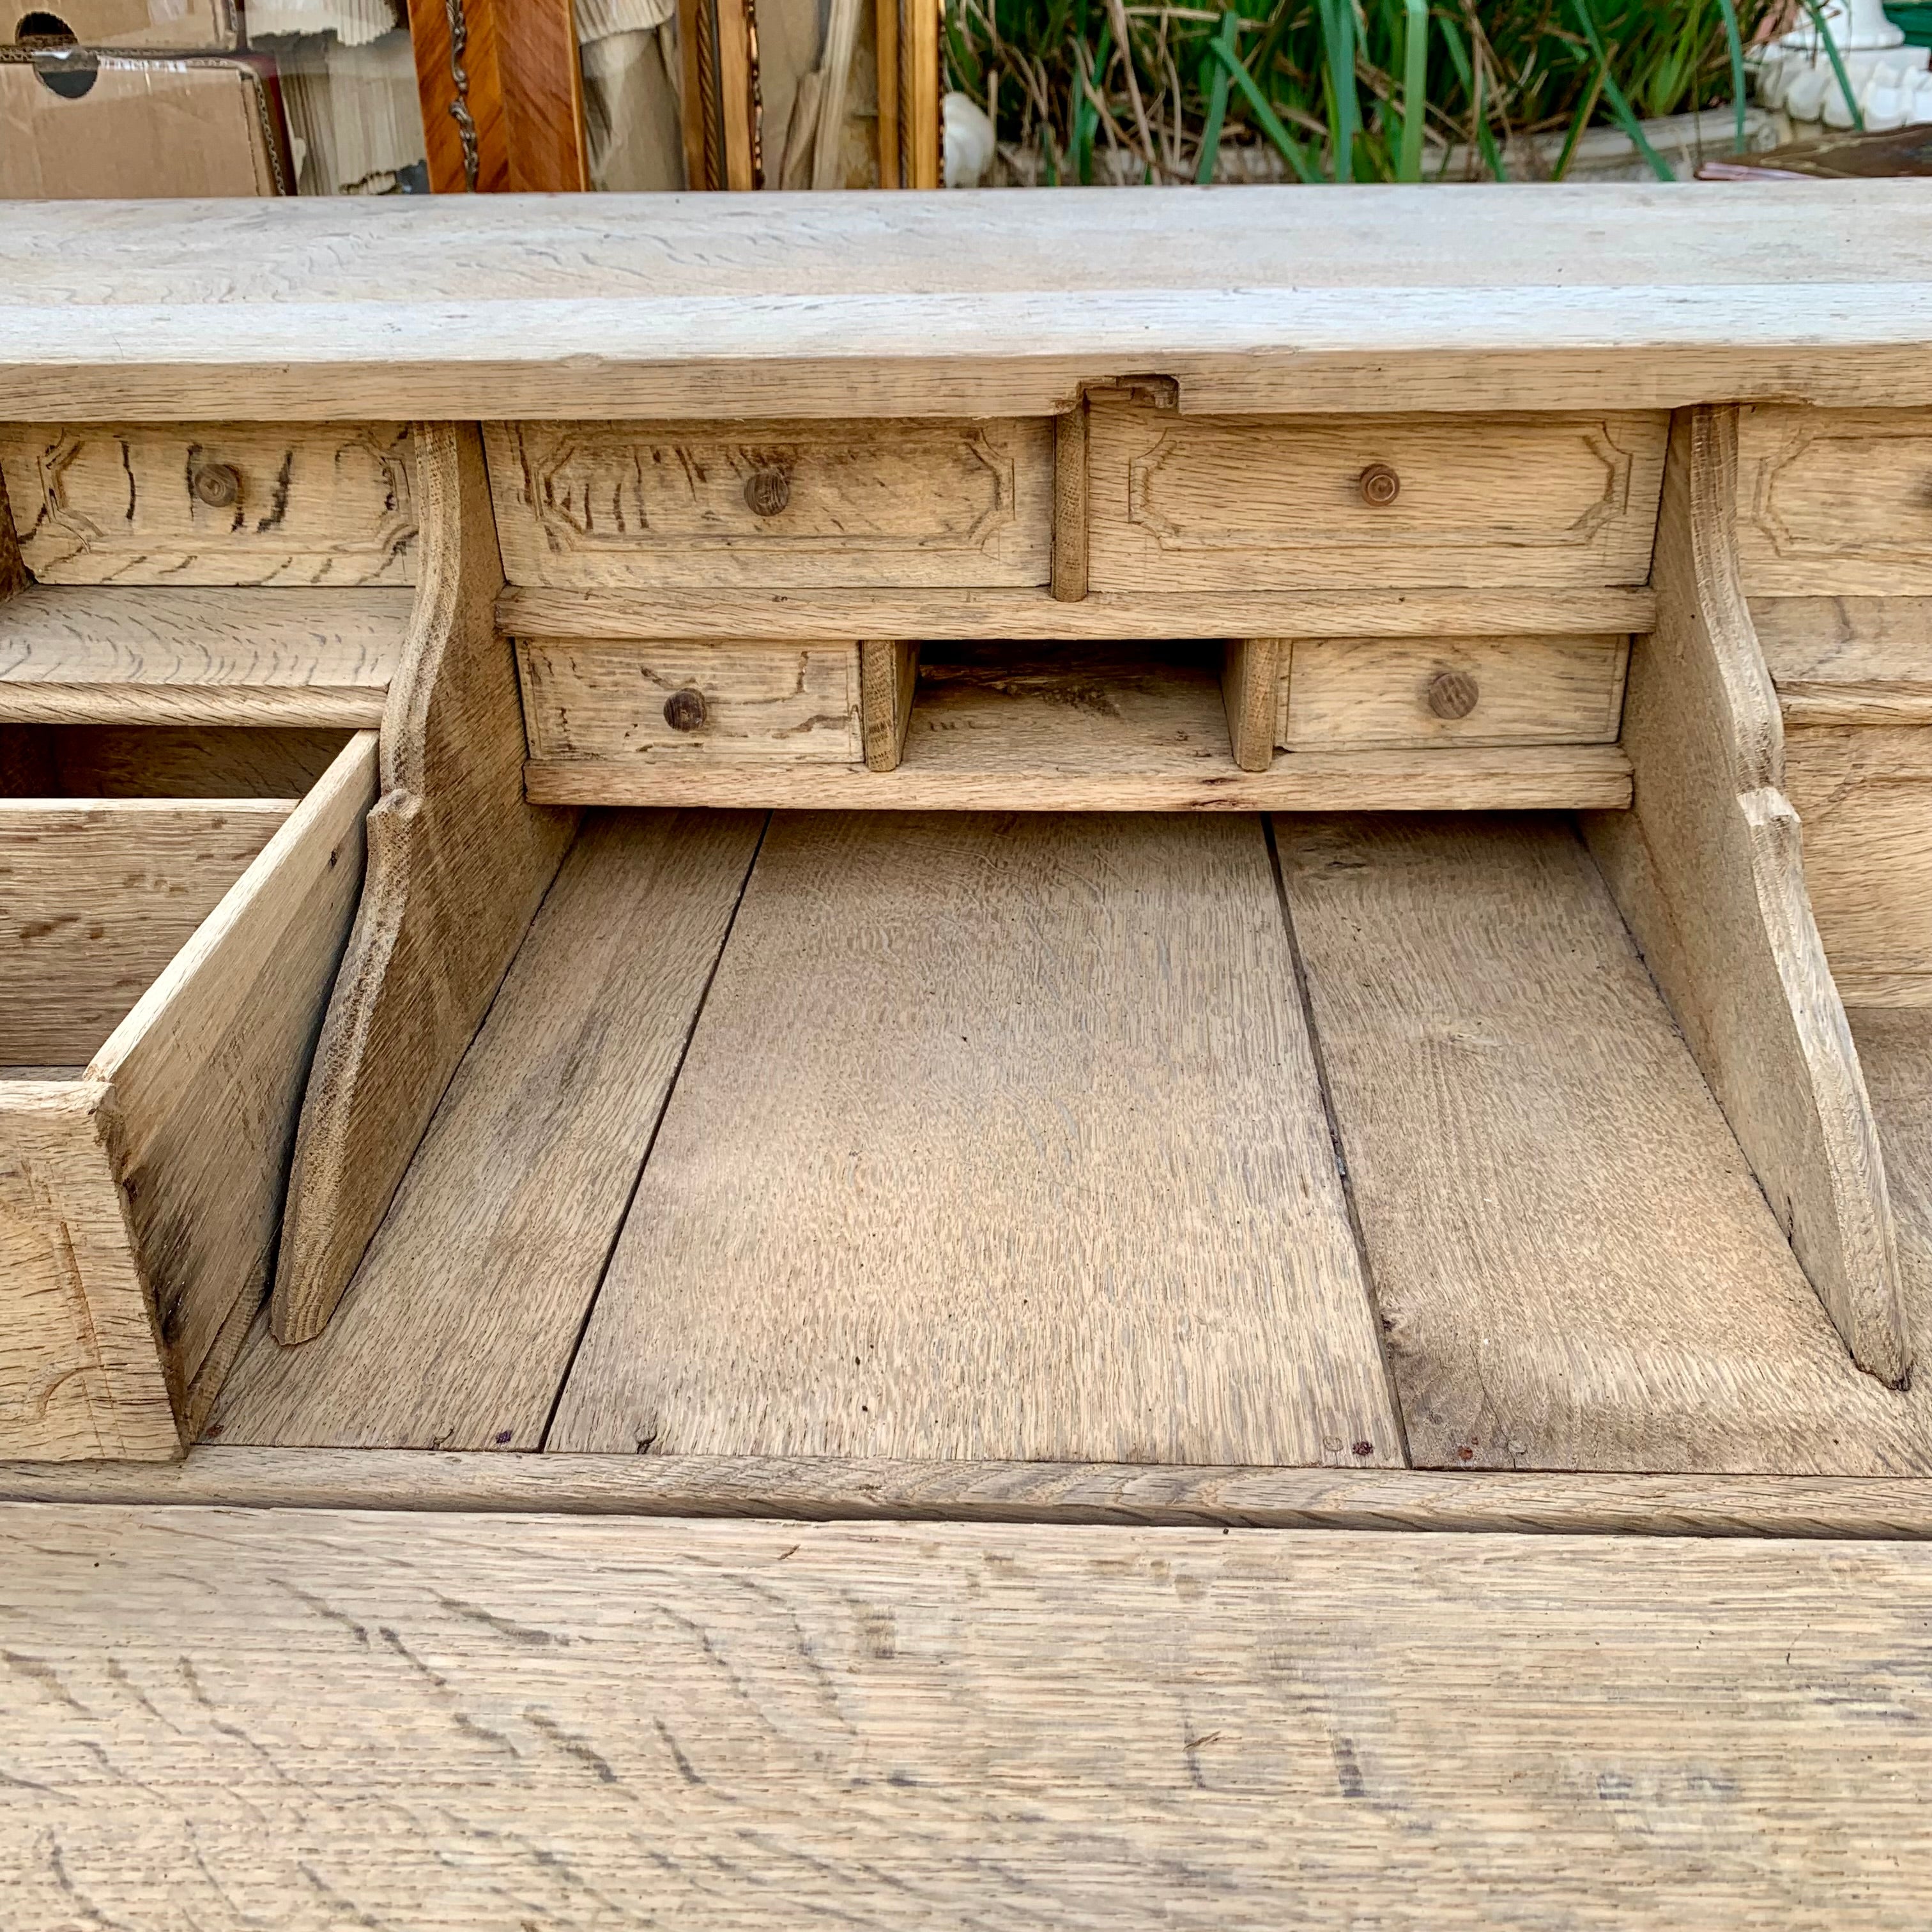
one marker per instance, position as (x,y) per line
(888,677)
(464,1721)
(763,704)
(1707,871)
(967,613)
(207,1073)
(154,656)
(1575,1266)
(999,1137)
(81,1372)
(456,865)
(815,1489)
(1129,729)
(514,121)
(1834,500)
(1251,683)
(176,762)
(1071,507)
(1364,691)
(99,504)
(462,1318)
(1848,660)
(1227,503)
(1606,297)
(13,577)
(96,897)
(1864,795)
(1895,1051)
(586,506)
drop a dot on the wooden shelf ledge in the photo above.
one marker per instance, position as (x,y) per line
(167,656)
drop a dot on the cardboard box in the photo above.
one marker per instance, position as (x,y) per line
(140,128)
(178,25)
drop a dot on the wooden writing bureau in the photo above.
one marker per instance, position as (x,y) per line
(1256,858)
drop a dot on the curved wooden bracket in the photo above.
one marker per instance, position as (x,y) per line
(458,865)
(1707,869)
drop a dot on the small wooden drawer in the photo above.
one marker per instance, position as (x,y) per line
(1369,502)
(224,503)
(1339,693)
(169,934)
(692,702)
(1835,501)
(601,506)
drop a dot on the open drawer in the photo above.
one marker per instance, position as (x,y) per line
(173,906)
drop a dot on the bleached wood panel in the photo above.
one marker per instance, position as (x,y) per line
(1848,660)
(488,1721)
(998,1137)
(218,503)
(1336,692)
(1183,502)
(586,505)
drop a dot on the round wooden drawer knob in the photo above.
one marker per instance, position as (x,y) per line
(218,485)
(685,710)
(767,492)
(1452,694)
(1380,485)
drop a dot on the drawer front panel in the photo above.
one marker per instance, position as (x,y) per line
(692,701)
(589,505)
(1369,502)
(1364,692)
(228,503)
(1835,501)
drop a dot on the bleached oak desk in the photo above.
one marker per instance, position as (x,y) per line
(1158,888)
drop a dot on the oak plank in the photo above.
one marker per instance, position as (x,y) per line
(460,1321)
(1707,870)
(888,678)
(487,1721)
(1576,1268)
(1848,660)
(1252,675)
(157,656)
(818,1488)
(1035,614)
(457,864)
(1895,1046)
(998,1137)
(1610,296)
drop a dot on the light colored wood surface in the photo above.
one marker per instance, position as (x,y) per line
(997,1137)
(96,896)
(97,504)
(1463,299)
(1070,504)
(207,1069)
(1848,660)
(583,506)
(1128,730)
(763,704)
(1251,683)
(457,866)
(157,656)
(1364,691)
(888,677)
(461,1321)
(813,1489)
(1036,613)
(1575,1266)
(1236,503)
(1895,1051)
(81,1371)
(1864,795)
(1707,871)
(488,1722)
(12,571)
(175,762)
(1834,500)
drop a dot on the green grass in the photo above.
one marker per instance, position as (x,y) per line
(1343,89)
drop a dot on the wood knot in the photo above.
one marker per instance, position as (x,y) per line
(685,710)
(1452,694)
(767,491)
(218,485)
(1379,485)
